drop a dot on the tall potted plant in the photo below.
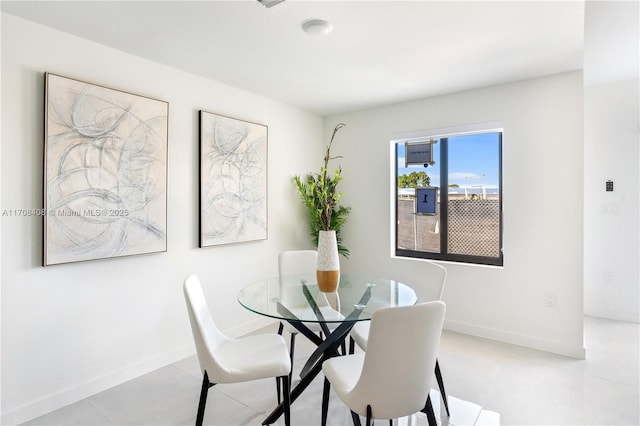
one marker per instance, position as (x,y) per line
(320,196)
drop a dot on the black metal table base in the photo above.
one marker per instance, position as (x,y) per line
(327,348)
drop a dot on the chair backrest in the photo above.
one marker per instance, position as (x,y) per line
(296,262)
(206,334)
(432,278)
(400,359)
(431,285)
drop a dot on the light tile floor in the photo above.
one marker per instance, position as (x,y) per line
(489,383)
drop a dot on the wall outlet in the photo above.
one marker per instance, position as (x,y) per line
(609,277)
(610,208)
(550,300)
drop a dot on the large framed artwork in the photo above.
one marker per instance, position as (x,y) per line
(233,180)
(105,172)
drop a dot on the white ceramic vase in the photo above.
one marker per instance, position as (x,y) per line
(328,269)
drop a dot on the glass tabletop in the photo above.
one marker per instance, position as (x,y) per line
(293,297)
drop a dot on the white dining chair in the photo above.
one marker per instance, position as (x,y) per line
(387,382)
(428,288)
(226,360)
(298,262)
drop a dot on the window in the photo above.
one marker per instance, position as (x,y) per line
(449,197)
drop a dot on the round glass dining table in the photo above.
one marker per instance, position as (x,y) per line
(297,300)
(294,297)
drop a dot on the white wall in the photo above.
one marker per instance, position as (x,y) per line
(612,219)
(69,331)
(76,329)
(543,207)
(612,151)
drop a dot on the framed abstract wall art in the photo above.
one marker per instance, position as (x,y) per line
(233,180)
(105,172)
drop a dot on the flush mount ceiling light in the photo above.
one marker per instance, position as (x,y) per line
(315,27)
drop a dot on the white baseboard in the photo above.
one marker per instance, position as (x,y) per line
(633,317)
(69,396)
(517,339)
(77,393)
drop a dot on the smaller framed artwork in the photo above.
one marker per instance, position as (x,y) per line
(233,180)
(426,200)
(105,172)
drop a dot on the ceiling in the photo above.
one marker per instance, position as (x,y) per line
(379,52)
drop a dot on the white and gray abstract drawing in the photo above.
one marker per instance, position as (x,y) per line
(105,172)
(233,180)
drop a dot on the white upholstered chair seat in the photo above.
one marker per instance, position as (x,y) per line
(344,372)
(250,358)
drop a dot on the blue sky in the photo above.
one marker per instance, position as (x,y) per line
(473,160)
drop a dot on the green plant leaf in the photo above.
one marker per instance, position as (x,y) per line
(320,197)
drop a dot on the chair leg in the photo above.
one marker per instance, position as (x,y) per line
(356,419)
(369,415)
(352,345)
(287,400)
(325,401)
(428,410)
(441,386)
(280,330)
(204,390)
(292,348)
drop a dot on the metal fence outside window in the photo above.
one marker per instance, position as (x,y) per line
(473,225)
